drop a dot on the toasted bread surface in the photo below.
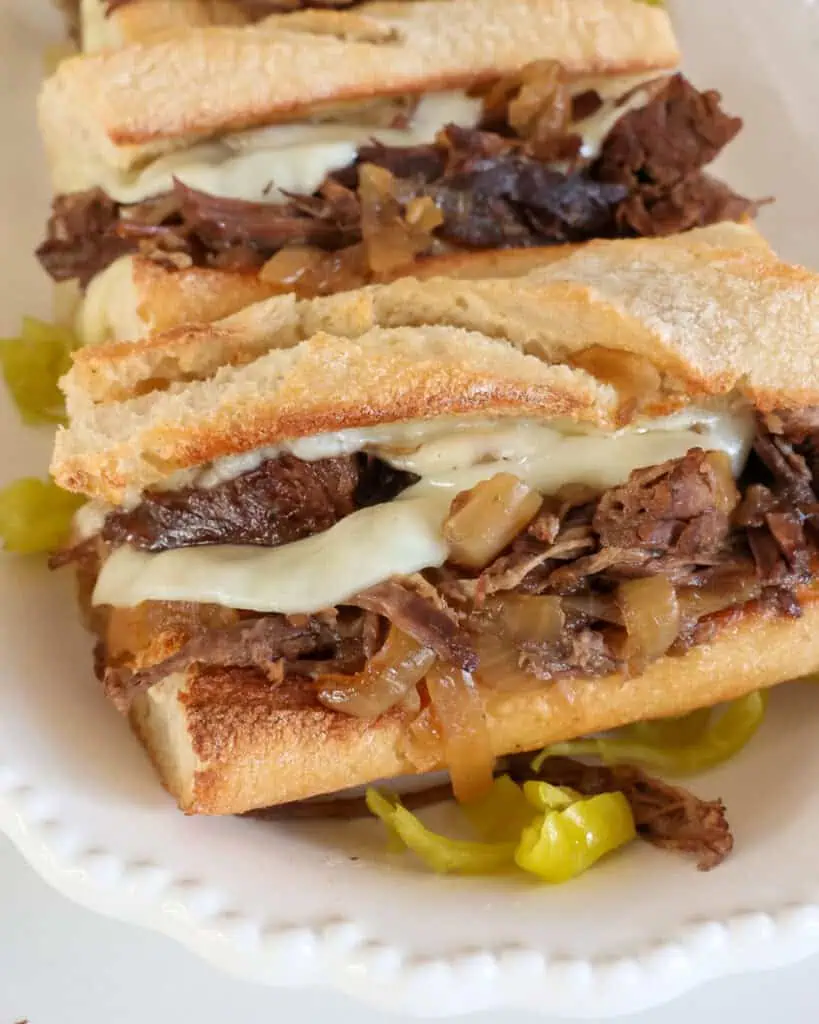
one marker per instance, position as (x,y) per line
(224,742)
(178,87)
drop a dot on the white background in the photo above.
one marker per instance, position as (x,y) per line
(59,964)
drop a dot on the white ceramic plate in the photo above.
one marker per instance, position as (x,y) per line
(322,904)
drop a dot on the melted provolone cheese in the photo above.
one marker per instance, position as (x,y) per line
(594,129)
(422,446)
(109,310)
(404,535)
(97,30)
(259,165)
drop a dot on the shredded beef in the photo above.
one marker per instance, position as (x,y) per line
(431,624)
(675,135)
(670,520)
(378,481)
(658,153)
(82,237)
(580,651)
(493,188)
(274,644)
(694,202)
(669,508)
(283,500)
(328,220)
(793,479)
(667,816)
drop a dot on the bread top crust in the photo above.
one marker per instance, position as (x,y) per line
(712,321)
(179,87)
(325,384)
(194,351)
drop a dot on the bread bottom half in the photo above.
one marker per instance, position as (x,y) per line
(224,742)
(137,297)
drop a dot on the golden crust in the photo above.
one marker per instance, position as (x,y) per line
(171,298)
(249,745)
(522,312)
(324,384)
(201,295)
(166,299)
(214,80)
(141,19)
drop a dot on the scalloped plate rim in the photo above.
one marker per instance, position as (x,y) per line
(520,977)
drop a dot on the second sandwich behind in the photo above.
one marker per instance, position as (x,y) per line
(322,150)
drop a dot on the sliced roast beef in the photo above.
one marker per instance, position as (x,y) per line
(666,816)
(282,500)
(82,237)
(276,645)
(428,622)
(677,134)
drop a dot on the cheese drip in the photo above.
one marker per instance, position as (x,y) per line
(405,535)
(258,165)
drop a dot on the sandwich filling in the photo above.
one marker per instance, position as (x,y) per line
(512,555)
(355,196)
(91,24)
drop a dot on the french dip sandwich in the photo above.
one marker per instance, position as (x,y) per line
(322,150)
(425,524)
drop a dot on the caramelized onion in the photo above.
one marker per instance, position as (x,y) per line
(732,592)
(506,623)
(485,519)
(542,108)
(459,709)
(388,678)
(499,667)
(651,614)
(726,495)
(633,376)
(130,631)
(309,271)
(533,619)
(533,100)
(595,606)
(391,238)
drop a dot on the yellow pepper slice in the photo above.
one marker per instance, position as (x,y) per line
(562,844)
(670,732)
(33,364)
(35,515)
(441,854)
(500,814)
(721,739)
(568,838)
